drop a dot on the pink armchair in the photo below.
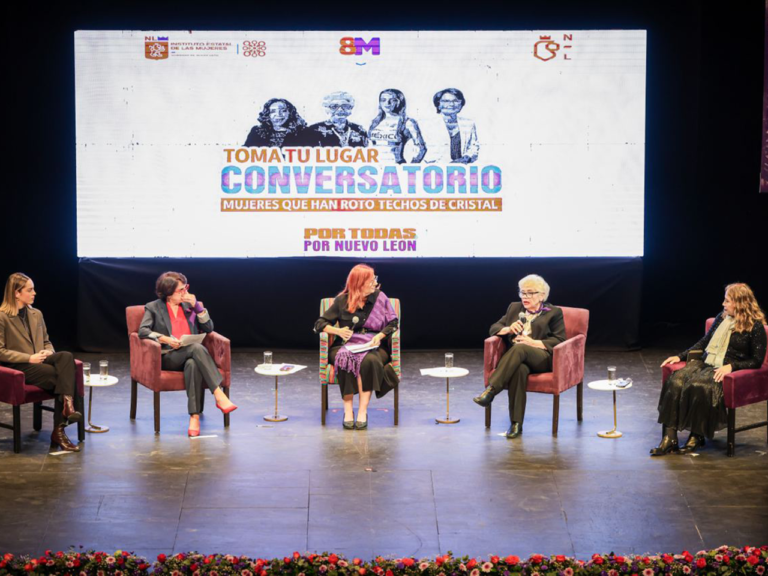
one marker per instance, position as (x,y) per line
(567,365)
(146,364)
(740,388)
(15,391)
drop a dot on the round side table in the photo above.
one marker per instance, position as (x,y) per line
(609,386)
(97,382)
(275,370)
(446,373)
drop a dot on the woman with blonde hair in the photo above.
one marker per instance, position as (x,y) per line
(25,346)
(692,397)
(360,314)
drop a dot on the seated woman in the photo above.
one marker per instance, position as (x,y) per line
(364,315)
(279,125)
(533,327)
(24,346)
(176,313)
(692,397)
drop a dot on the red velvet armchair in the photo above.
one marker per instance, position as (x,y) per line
(146,364)
(740,388)
(567,365)
(16,392)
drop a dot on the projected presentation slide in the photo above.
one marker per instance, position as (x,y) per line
(360,143)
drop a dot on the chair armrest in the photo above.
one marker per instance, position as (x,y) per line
(324,347)
(568,362)
(745,387)
(218,347)
(146,360)
(667,369)
(11,386)
(493,350)
(395,361)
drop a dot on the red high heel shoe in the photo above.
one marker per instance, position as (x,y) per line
(192,433)
(227,410)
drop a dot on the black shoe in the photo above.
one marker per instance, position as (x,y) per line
(486,397)
(515,430)
(361,425)
(349,424)
(69,412)
(693,444)
(668,445)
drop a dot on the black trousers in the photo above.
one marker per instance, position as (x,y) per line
(199,370)
(55,375)
(371,372)
(512,373)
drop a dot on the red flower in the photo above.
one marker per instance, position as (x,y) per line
(76,563)
(8,557)
(207,560)
(494,559)
(687,557)
(389,573)
(439,560)
(512,560)
(409,561)
(180,556)
(29,567)
(561,558)
(259,564)
(753,560)
(3,563)
(362,571)
(726,558)
(667,559)
(296,555)
(333,558)
(701,563)
(471,564)
(143,566)
(160,558)
(121,561)
(537,558)
(357,561)
(48,552)
(287,560)
(193,567)
(263,573)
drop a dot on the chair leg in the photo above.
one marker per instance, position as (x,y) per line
(80,407)
(157,412)
(397,405)
(323,402)
(487,416)
(555,413)
(580,401)
(37,416)
(133,398)
(17,429)
(226,416)
(731,431)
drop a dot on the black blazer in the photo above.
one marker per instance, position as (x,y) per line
(157,322)
(746,350)
(549,326)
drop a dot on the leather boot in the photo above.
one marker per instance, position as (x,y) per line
(515,430)
(668,442)
(486,397)
(69,412)
(59,438)
(693,444)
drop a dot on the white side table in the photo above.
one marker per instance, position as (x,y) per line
(97,382)
(276,371)
(446,373)
(609,386)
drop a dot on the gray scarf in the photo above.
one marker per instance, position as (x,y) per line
(718,345)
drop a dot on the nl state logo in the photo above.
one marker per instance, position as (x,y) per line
(156,49)
(546,48)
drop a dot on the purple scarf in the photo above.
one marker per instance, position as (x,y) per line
(381,315)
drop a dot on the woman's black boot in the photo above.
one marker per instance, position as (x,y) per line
(668,443)
(693,444)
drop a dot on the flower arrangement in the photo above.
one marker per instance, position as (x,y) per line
(723,561)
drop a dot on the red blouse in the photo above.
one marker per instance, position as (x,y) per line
(179,324)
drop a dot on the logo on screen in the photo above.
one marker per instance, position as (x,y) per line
(254,48)
(546,49)
(156,48)
(349,46)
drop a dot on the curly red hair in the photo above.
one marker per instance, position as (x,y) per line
(747,312)
(358,280)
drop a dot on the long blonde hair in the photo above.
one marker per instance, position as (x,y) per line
(746,310)
(15,282)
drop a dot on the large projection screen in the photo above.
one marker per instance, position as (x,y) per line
(360,143)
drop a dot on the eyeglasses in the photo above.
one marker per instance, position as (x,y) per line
(375,281)
(527,294)
(182,289)
(334,107)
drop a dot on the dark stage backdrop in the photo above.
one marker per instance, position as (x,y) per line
(446,303)
(704,222)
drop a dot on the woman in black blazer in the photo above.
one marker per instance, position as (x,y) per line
(532,327)
(177,313)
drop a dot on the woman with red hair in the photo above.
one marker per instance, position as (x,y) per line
(360,315)
(692,397)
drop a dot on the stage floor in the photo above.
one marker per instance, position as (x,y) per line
(419,489)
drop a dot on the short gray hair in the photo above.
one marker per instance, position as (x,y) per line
(538,281)
(341,95)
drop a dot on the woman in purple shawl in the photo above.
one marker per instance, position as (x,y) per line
(361,314)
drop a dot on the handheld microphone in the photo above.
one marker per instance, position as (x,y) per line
(522,317)
(355,320)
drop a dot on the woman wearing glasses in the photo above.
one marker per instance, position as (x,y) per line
(532,328)
(451,138)
(174,314)
(337,130)
(360,314)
